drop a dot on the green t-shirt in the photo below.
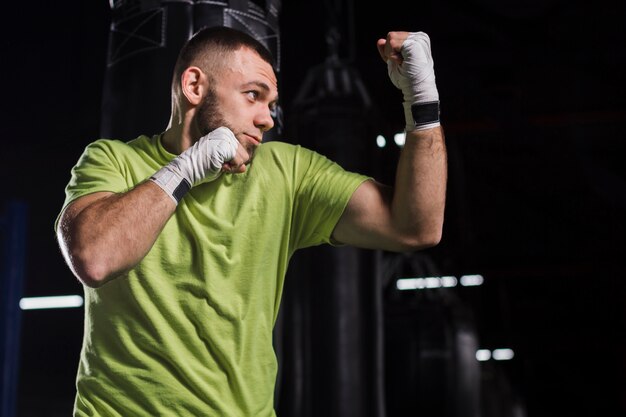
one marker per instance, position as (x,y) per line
(188,331)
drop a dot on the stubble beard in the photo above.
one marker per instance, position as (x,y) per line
(210,117)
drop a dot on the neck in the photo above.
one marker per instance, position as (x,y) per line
(179,137)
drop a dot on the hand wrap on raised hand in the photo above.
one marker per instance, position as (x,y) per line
(415,77)
(202,162)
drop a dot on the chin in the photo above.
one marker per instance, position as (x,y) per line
(251,152)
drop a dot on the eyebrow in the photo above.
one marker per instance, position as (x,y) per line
(259,84)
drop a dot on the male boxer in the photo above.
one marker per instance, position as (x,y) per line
(182,239)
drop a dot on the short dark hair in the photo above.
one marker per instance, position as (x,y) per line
(210,42)
(208,48)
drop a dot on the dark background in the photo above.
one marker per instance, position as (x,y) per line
(533,107)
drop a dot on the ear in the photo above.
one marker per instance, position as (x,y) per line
(193,84)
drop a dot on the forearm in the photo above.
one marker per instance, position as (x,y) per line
(417,207)
(103,235)
(112,234)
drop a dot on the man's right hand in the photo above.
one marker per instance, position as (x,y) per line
(204,161)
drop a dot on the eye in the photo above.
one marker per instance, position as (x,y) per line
(273,110)
(252,95)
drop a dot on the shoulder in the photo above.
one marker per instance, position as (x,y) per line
(115,148)
(112,146)
(101,150)
(140,144)
(119,155)
(117,144)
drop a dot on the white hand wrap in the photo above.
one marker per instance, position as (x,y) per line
(202,162)
(415,77)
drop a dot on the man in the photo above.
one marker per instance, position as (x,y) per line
(182,239)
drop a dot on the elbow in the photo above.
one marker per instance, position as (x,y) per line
(91,274)
(420,243)
(433,240)
(85,261)
(90,269)
(421,239)
(88,255)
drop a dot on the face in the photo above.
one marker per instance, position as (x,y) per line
(241,97)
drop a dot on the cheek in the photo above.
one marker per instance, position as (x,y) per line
(232,110)
(240,115)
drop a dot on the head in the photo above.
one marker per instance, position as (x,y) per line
(224,77)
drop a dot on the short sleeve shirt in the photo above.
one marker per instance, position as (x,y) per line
(188,331)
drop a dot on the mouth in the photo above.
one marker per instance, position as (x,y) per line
(255,139)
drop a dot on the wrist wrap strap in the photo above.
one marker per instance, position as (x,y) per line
(425,114)
(173,184)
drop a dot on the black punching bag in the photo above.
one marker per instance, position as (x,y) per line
(430,346)
(144,41)
(328,322)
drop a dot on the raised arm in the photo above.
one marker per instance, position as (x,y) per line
(408,216)
(103,234)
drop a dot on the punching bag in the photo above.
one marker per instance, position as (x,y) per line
(430,346)
(144,41)
(328,320)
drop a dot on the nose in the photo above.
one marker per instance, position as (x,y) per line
(264,120)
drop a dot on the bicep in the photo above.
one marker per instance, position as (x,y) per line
(370,222)
(366,222)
